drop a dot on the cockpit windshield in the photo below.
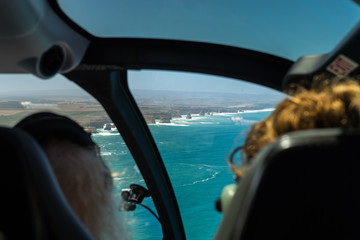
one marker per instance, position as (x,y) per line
(168,89)
(196,120)
(265,26)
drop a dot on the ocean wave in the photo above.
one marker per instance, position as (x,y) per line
(260,110)
(194,117)
(211,171)
(209,122)
(225,114)
(212,119)
(201,165)
(105,154)
(198,117)
(241,120)
(106,133)
(237,119)
(171,124)
(242,111)
(121,178)
(213,175)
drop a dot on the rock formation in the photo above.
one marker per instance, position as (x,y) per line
(165,119)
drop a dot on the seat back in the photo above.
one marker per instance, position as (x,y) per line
(31,202)
(304,185)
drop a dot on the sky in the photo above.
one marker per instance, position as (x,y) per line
(183,81)
(144,79)
(29,82)
(289,29)
(281,27)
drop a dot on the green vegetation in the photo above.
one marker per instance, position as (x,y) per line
(11,120)
(11,105)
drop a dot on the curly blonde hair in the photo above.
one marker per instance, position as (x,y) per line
(328,104)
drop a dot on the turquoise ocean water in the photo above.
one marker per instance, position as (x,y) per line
(194,152)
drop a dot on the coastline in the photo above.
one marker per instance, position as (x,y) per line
(91,115)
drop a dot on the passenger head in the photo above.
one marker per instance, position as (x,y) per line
(328,104)
(81,173)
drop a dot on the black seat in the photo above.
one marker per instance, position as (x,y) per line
(305,185)
(32,205)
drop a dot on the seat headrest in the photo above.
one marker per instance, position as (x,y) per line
(32,203)
(304,185)
(45,125)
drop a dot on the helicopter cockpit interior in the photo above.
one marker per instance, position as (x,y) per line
(168,89)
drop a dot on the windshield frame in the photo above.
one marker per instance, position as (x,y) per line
(105,55)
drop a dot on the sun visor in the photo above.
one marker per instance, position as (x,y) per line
(343,61)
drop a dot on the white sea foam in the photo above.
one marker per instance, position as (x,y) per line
(237,119)
(123,152)
(260,110)
(211,171)
(213,175)
(121,178)
(107,133)
(106,154)
(194,117)
(241,120)
(199,117)
(171,124)
(197,165)
(209,122)
(225,114)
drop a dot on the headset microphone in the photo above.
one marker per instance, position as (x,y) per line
(228,191)
(227,194)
